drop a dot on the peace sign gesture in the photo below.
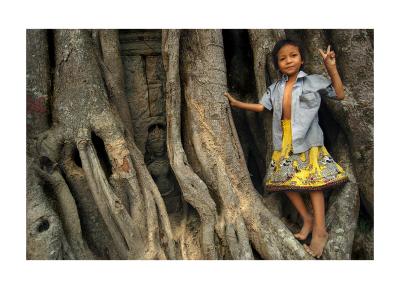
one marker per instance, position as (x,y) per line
(329,57)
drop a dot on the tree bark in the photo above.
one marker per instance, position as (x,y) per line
(45,235)
(37,82)
(343,209)
(242,214)
(81,109)
(114,74)
(90,194)
(356,62)
(194,190)
(355,113)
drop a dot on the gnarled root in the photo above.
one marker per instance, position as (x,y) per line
(194,190)
(343,209)
(68,211)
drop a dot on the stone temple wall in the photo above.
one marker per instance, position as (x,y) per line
(144,87)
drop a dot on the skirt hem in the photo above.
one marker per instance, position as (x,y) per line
(272,188)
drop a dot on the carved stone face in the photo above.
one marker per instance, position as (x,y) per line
(156,147)
(156,142)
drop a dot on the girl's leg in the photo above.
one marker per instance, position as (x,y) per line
(319,234)
(298,203)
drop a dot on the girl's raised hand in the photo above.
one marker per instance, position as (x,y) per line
(329,57)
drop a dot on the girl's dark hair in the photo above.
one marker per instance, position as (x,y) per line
(280,44)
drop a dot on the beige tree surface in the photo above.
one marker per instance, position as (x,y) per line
(133,152)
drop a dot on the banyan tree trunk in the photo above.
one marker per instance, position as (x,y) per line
(132,212)
(354,51)
(45,235)
(243,221)
(91,193)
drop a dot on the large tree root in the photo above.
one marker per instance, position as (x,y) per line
(116,217)
(93,226)
(194,190)
(343,209)
(113,71)
(219,155)
(91,166)
(137,235)
(147,183)
(125,232)
(235,229)
(354,113)
(46,239)
(68,210)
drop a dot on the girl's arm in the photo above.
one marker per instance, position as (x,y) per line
(257,107)
(330,65)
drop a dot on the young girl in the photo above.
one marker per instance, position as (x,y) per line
(300,162)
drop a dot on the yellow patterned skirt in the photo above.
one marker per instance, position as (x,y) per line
(312,170)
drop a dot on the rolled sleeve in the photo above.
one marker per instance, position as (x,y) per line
(327,91)
(266,100)
(321,84)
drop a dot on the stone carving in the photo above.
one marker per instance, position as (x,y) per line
(157,162)
(144,85)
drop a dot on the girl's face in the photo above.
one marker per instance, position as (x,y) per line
(289,59)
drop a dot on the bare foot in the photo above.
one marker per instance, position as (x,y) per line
(317,244)
(307,228)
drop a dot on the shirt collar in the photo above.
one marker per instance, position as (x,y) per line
(299,75)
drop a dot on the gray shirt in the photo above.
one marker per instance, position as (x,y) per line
(306,99)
